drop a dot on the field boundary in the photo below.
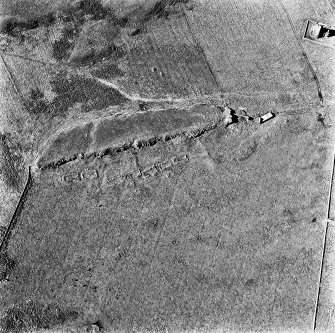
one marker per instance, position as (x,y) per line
(308,62)
(315,319)
(17,211)
(329,221)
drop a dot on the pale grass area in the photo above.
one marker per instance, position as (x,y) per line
(8,201)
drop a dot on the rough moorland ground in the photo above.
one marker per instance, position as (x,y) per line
(224,233)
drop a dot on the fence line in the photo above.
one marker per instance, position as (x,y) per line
(17,210)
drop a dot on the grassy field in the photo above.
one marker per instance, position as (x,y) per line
(253,50)
(214,242)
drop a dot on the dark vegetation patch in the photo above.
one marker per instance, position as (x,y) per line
(28,9)
(14,26)
(74,18)
(289,219)
(93,327)
(27,15)
(93,96)
(143,106)
(6,264)
(2,232)
(99,325)
(96,42)
(107,71)
(32,315)
(37,103)
(62,48)
(11,161)
(321,118)
(92,7)
(163,9)
(136,32)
